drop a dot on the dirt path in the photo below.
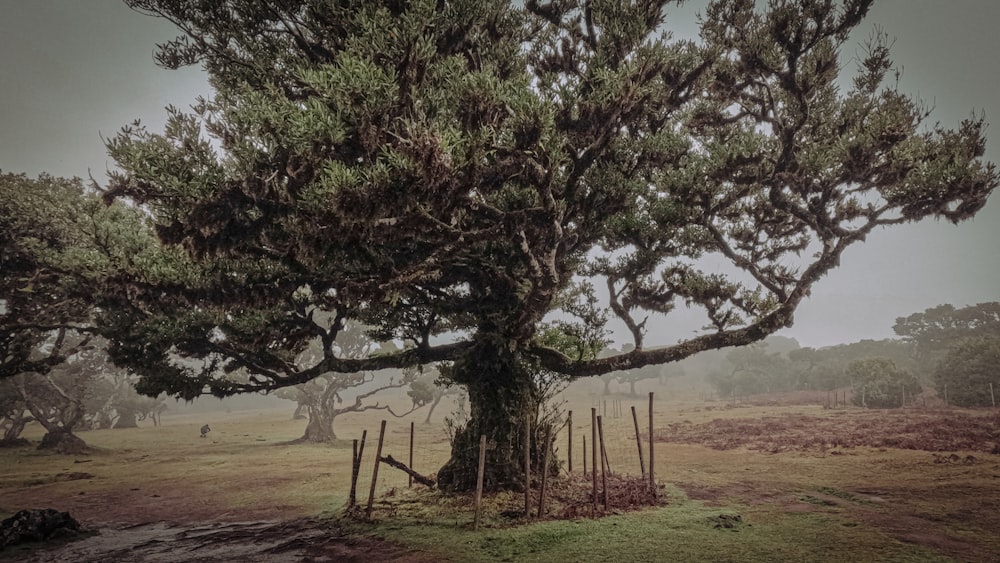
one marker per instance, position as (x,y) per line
(307,539)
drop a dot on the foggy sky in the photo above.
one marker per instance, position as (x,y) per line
(73,71)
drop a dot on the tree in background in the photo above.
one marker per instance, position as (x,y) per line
(756,369)
(56,399)
(429,389)
(112,401)
(14,415)
(458,175)
(878,383)
(937,330)
(321,396)
(825,369)
(966,372)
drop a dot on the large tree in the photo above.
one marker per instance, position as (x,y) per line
(936,330)
(463,176)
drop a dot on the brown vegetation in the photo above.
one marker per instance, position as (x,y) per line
(927,430)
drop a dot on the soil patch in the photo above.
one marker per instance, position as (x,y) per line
(307,539)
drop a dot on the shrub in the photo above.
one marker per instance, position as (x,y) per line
(878,383)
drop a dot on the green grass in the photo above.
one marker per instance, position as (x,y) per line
(684,530)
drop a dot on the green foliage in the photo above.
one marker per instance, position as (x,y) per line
(878,383)
(966,372)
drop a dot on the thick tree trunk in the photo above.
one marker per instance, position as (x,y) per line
(320,425)
(502,393)
(63,442)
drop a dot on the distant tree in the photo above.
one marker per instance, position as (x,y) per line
(966,371)
(937,329)
(824,369)
(878,383)
(460,175)
(755,369)
(322,397)
(56,399)
(428,389)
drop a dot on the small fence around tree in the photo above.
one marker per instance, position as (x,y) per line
(624,458)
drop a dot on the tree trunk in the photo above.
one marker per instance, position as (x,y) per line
(502,391)
(437,399)
(297,415)
(320,425)
(63,442)
(126,418)
(17,424)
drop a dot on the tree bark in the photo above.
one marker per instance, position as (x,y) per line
(320,426)
(502,391)
(63,442)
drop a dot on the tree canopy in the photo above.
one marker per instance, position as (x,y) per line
(463,176)
(938,329)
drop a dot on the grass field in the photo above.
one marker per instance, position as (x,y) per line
(793,482)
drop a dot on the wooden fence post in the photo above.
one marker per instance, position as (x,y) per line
(354,475)
(545,474)
(638,443)
(410,484)
(569,442)
(652,478)
(479,479)
(593,453)
(356,469)
(527,465)
(604,461)
(584,456)
(378,459)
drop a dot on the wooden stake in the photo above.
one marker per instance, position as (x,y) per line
(479,479)
(351,499)
(604,459)
(638,443)
(652,478)
(527,466)
(545,474)
(569,442)
(593,453)
(378,459)
(410,484)
(584,456)
(356,470)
